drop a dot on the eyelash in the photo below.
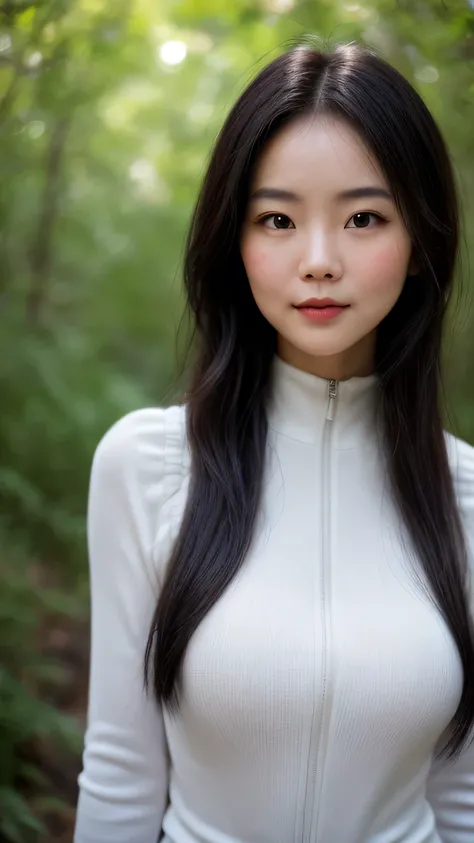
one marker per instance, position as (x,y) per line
(270,216)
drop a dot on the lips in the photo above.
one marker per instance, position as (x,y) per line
(320,303)
(321,313)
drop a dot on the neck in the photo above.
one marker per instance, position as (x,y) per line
(301,403)
(355,362)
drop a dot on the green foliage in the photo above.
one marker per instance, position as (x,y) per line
(26,720)
(103,143)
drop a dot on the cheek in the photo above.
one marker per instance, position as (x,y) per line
(261,264)
(388,267)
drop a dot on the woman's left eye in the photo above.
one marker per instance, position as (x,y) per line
(363,219)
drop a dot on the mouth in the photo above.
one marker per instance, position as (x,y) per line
(320,304)
(321,313)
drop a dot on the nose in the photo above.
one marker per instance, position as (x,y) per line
(320,259)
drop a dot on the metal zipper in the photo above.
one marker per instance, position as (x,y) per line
(325,581)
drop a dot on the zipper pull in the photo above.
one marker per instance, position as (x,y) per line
(332,395)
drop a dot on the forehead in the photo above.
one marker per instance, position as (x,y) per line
(323,152)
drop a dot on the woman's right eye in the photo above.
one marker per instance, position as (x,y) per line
(280,221)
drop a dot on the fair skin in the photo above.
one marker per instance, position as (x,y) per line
(323,241)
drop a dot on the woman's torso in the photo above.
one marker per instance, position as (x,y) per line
(316,688)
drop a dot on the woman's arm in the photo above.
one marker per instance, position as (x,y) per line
(451,795)
(451,784)
(124,782)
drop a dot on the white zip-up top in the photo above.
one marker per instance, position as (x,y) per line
(317,688)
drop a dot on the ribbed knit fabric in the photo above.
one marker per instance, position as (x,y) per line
(317,688)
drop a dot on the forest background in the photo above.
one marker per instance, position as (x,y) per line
(108,111)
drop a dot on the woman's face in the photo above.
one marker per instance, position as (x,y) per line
(321,223)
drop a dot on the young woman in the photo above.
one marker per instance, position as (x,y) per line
(290,549)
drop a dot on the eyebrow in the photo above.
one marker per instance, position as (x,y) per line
(352,193)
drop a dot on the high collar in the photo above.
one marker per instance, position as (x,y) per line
(300,401)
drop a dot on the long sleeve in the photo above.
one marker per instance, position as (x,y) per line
(124,782)
(451,784)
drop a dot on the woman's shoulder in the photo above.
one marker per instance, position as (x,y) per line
(143,448)
(461,460)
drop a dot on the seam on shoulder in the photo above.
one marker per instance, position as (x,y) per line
(175,449)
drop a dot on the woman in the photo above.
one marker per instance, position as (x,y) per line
(291,547)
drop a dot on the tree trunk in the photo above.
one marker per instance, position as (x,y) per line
(41,251)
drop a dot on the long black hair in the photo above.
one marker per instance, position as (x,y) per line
(229,386)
